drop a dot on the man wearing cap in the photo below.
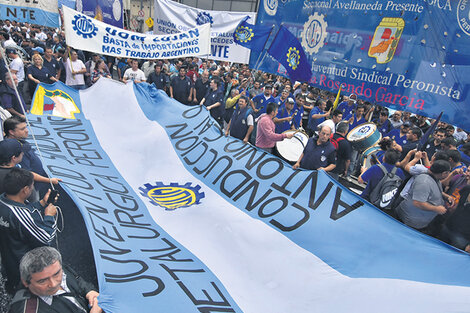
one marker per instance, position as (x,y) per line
(214,101)
(285,117)
(347,107)
(8,98)
(425,199)
(317,116)
(260,101)
(281,100)
(399,135)
(24,225)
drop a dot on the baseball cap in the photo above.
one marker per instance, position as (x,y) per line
(352,97)
(10,147)
(290,100)
(407,124)
(10,50)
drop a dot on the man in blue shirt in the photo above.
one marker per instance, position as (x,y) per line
(383,123)
(214,101)
(259,102)
(319,153)
(281,100)
(347,107)
(317,116)
(399,134)
(285,117)
(374,174)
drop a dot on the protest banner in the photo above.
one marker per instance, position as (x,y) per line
(43,12)
(405,55)
(172,17)
(85,33)
(184,219)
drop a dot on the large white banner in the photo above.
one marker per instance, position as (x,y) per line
(85,33)
(172,17)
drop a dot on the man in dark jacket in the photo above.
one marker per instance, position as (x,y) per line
(51,288)
(23,226)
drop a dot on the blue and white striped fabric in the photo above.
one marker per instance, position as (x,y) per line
(184,219)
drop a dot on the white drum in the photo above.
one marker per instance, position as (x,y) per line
(291,149)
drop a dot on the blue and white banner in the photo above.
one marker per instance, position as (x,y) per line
(184,219)
(39,12)
(406,55)
(85,33)
(107,11)
(172,17)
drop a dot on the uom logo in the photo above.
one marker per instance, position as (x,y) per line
(172,196)
(84,26)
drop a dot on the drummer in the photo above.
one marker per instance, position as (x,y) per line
(287,117)
(319,153)
(348,107)
(266,137)
(317,116)
(399,135)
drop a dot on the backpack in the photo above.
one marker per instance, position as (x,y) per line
(336,141)
(383,194)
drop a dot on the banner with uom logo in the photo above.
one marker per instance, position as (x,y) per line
(184,219)
(85,33)
(406,55)
(172,17)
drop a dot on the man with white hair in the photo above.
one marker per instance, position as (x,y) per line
(319,153)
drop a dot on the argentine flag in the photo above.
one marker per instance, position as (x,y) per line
(183,219)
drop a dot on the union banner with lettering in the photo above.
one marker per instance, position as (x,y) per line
(405,55)
(184,219)
(85,33)
(173,17)
(39,12)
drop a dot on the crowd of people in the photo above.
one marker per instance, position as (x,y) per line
(418,178)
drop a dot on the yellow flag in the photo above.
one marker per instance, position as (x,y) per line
(335,105)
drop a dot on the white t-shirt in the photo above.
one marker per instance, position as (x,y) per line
(77,79)
(17,65)
(138,75)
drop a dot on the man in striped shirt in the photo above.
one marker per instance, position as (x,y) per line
(23,225)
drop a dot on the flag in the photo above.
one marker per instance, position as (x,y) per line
(287,49)
(253,37)
(184,219)
(335,104)
(429,132)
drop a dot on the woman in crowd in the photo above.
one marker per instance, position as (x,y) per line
(100,71)
(37,73)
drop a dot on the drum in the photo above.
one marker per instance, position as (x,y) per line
(291,149)
(367,156)
(364,136)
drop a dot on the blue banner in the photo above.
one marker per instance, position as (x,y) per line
(406,55)
(43,12)
(251,36)
(107,11)
(286,49)
(184,219)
